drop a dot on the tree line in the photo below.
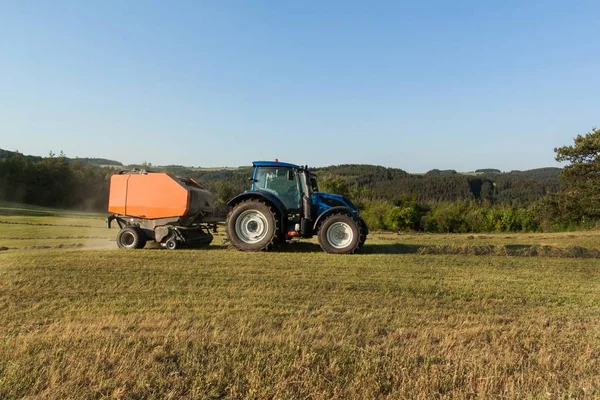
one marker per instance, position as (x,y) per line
(389,198)
(54,182)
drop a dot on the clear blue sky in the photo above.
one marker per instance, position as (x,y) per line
(413,85)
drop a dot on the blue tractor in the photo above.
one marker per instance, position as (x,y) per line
(284,202)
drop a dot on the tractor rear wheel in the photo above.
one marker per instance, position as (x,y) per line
(252,225)
(131,238)
(339,234)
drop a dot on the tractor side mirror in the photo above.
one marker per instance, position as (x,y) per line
(290,175)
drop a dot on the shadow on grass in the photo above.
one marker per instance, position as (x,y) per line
(304,247)
(299,247)
(307,247)
(391,248)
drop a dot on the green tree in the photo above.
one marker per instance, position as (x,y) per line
(334,184)
(581,178)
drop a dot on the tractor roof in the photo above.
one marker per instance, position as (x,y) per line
(273,164)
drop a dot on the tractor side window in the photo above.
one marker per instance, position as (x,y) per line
(275,181)
(263,178)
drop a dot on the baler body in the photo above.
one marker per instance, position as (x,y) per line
(161,207)
(158,195)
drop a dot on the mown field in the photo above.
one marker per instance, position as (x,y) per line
(414,316)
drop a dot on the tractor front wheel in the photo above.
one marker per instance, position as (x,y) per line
(252,226)
(364,231)
(339,234)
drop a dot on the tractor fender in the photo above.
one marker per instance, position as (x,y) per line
(267,197)
(258,195)
(329,211)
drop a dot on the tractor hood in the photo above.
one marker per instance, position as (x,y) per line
(328,200)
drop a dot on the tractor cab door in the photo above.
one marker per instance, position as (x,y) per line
(307,204)
(308,208)
(281,182)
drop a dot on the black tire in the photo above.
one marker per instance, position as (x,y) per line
(171,244)
(131,238)
(339,234)
(364,231)
(252,225)
(143,239)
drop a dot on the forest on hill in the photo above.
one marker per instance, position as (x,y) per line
(389,198)
(6,154)
(377,182)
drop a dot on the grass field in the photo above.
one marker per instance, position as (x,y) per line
(414,316)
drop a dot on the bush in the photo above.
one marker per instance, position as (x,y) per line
(448,218)
(374,213)
(400,218)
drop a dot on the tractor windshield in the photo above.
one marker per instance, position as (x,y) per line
(281,182)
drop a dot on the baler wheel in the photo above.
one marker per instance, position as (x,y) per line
(171,243)
(131,238)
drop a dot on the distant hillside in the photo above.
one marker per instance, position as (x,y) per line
(372,181)
(376,182)
(437,172)
(540,173)
(8,154)
(87,160)
(98,161)
(448,186)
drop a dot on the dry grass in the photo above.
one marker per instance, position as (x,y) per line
(298,323)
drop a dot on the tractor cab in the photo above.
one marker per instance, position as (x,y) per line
(282,181)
